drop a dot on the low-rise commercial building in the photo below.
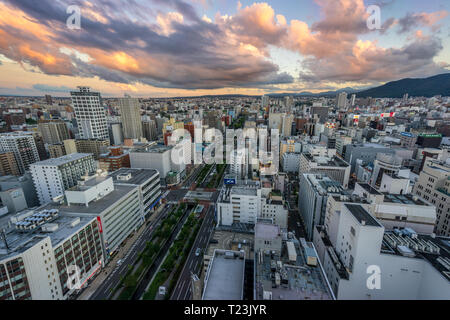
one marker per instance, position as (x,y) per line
(402,265)
(42,249)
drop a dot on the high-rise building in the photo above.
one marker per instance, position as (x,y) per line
(333,166)
(48,99)
(8,164)
(53,131)
(149,130)
(367,152)
(312,198)
(23,146)
(94,146)
(39,142)
(90,114)
(53,176)
(341,100)
(433,186)
(56,150)
(290,161)
(265,101)
(353,100)
(239,164)
(286,125)
(115,133)
(130,112)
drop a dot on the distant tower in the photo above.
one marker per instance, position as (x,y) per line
(90,114)
(264,101)
(341,100)
(353,100)
(48,99)
(405,97)
(130,112)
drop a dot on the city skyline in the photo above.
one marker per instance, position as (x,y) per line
(200,47)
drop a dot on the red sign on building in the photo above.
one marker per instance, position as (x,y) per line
(100,228)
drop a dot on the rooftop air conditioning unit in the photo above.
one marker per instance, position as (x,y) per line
(75,222)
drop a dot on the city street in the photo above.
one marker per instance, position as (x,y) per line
(112,280)
(193,263)
(143,285)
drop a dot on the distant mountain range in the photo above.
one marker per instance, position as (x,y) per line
(310,94)
(426,87)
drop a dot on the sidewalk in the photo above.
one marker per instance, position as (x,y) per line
(123,251)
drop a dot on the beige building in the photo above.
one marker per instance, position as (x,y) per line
(434,187)
(70,146)
(94,146)
(56,150)
(8,164)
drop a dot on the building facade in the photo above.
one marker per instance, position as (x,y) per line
(90,114)
(52,177)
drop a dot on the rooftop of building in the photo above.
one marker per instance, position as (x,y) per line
(361,214)
(267,231)
(19,241)
(62,160)
(369,145)
(225,278)
(89,182)
(369,189)
(404,199)
(153,149)
(407,243)
(326,161)
(324,184)
(13,179)
(298,280)
(229,240)
(96,206)
(138,176)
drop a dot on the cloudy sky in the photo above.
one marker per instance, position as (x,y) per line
(163,48)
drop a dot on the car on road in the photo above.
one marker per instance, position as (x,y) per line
(119,262)
(198,251)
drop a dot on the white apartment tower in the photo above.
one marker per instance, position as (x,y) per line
(90,114)
(433,186)
(53,176)
(23,146)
